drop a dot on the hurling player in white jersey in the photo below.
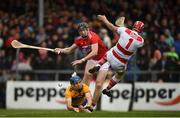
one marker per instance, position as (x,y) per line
(119,55)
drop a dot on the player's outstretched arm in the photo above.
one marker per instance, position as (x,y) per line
(65,50)
(89,98)
(107,23)
(93,53)
(89,101)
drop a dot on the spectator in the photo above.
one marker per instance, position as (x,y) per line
(142,59)
(177,44)
(43,62)
(41,35)
(169,39)
(105,37)
(62,17)
(156,57)
(161,44)
(22,63)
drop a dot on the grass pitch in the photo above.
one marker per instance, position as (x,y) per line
(65,113)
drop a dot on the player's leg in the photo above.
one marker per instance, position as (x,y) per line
(101,76)
(88,76)
(119,75)
(98,87)
(119,69)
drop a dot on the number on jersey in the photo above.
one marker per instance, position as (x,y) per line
(129,43)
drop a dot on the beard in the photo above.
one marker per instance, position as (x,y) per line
(85,36)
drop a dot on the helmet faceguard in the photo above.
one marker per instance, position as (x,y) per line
(138,26)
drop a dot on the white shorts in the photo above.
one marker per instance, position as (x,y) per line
(115,64)
(105,66)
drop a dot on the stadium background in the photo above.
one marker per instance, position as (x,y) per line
(55,26)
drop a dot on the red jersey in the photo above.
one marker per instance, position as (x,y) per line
(85,44)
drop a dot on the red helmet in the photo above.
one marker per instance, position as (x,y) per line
(138,26)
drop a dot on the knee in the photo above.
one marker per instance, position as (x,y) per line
(120,72)
(87,77)
(119,75)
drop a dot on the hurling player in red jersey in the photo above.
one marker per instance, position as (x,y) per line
(92,44)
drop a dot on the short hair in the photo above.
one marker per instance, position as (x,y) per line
(82,26)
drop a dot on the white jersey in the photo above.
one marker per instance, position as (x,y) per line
(126,46)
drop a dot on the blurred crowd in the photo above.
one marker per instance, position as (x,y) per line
(19,21)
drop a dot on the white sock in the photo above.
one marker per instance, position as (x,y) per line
(97,65)
(115,79)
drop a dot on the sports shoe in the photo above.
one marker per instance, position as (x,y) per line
(106,92)
(94,69)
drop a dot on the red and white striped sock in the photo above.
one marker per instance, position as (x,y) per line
(112,82)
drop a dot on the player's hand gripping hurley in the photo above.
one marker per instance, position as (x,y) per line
(17,44)
(120,21)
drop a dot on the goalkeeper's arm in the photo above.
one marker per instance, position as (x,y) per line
(70,107)
(89,98)
(89,101)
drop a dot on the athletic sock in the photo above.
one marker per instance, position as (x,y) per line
(93,104)
(112,82)
(98,65)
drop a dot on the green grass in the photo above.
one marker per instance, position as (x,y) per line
(65,113)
